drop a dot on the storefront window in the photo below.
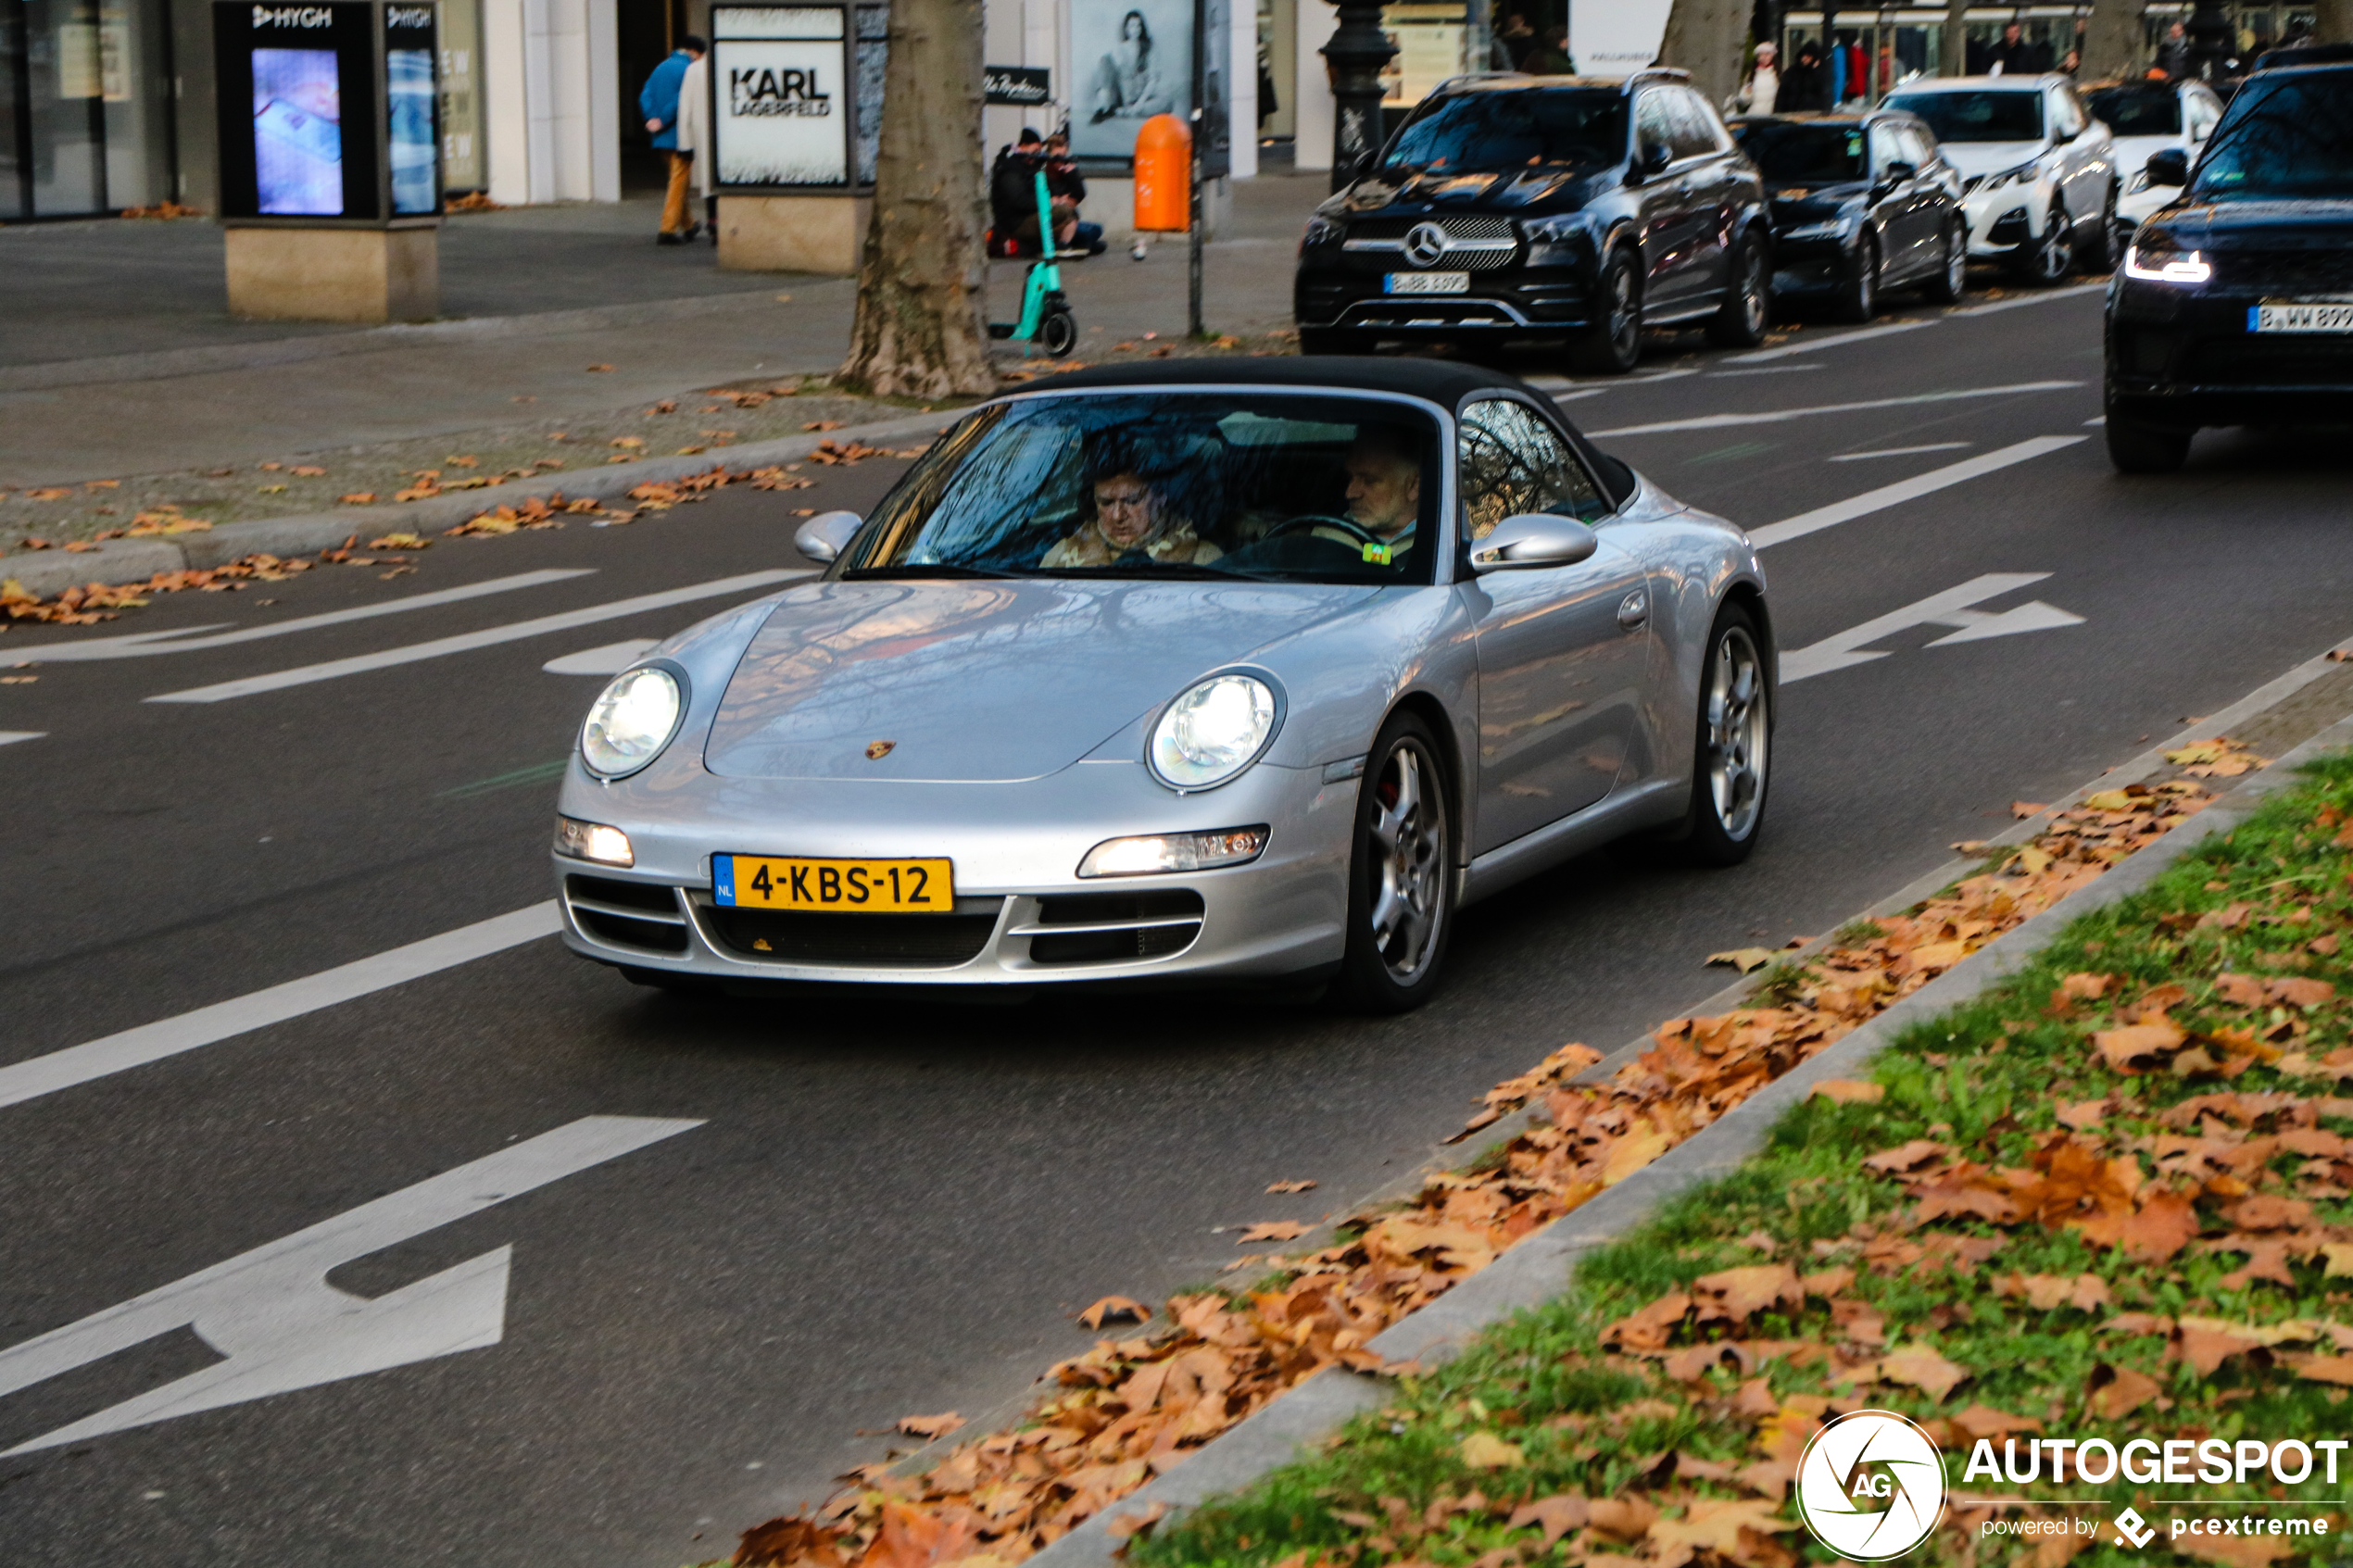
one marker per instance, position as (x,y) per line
(90,81)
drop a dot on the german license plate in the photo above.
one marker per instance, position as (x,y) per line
(1426,282)
(2300,316)
(879,887)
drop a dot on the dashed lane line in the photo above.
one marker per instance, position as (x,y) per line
(1776,415)
(489,636)
(41,1075)
(9,737)
(187,639)
(1906,490)
(1868,334)
(1901,451)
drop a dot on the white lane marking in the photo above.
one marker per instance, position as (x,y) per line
(1777,415)
(1906,490)
(2096,421)
(30,1079)
(1950,607)
(1903,451)
(1768,370)
(9,737)
(186,638)
(272,1313)
(1765,356)
(2038,298)
(468,640)
(610,660)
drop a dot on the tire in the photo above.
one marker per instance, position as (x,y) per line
(1741,320)
(1858,298)
(1613,345)
(1401,874)
(1733,747)
(2107,247)
(2051,261)
(1058,333)
(1332,340)
(2137,447)
(1950,280)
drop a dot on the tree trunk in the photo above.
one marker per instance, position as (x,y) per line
(2333,21)
(1952,58)
(2114,44)
(922,330)
(1704,37)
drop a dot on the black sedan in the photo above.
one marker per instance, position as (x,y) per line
(2234,305)
(1860,204)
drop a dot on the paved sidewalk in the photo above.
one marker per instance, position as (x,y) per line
(543,294)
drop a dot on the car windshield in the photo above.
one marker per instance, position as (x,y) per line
(1798,153)
(2287,136)
(1539,128)
(2011,116)
(2152,109)
(1278,486)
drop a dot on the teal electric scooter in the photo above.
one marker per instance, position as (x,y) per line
(1045,320)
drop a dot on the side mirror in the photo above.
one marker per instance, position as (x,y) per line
(1533,539)
(1652,159)
(2168,166)
(822,536)
(1897,172)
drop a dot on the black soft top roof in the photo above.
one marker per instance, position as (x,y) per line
(1441,381)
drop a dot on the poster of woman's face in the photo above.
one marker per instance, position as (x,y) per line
(1131,62)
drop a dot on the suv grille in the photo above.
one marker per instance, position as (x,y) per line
(1479,244)
(884,941)
(627,914)
(1113,927)
(2285,272)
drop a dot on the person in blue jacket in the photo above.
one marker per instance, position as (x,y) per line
(658,103)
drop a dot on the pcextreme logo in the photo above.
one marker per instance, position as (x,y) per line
(1871,1485)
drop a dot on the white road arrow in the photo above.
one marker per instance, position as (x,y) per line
(282,1326)
(1950,607)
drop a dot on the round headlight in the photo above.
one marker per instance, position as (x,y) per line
(1212,732)
(631,721)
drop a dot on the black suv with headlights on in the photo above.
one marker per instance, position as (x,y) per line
(1578,208)
(2234,305)
(1860,204)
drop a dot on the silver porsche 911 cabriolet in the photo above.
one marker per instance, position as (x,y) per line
(1219,670)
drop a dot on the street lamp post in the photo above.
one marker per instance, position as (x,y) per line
(1356,54)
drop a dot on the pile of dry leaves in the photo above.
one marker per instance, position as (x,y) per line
(1130,1408)
(95,602)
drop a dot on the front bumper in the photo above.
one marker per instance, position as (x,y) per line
(1812,265)
(1523,300)
(2005,221)
(2184,357)
(1022,916)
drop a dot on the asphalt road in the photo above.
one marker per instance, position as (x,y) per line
(874,1210)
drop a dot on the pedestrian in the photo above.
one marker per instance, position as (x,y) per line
(1804,86)
(1757,95)
(657,101)
(2174,55)
(1012,195)
(2014,56)
(1552,57)
(695,142)
(1067,188)
(1518,39)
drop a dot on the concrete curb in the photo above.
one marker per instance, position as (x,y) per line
(1538,1268)
(164,363)
(133,560)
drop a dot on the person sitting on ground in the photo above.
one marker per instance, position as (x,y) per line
(1012,195)
(1067,188)
(1133,520)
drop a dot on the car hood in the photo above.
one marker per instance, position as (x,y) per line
(1973,158)
(2133,152)
(1534,191)
(1812,204)
(2263,225)
(974,682)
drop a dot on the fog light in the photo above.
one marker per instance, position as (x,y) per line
(1174,852)
(593,841)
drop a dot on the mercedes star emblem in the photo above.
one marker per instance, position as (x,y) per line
(1425,244)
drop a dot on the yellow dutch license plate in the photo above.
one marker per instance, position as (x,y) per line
(882,887)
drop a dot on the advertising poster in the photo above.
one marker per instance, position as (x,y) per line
(410,103)
(781,111)
(1129,63)
(1616,37)
(298,132)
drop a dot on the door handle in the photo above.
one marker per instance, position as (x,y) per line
(1633,610)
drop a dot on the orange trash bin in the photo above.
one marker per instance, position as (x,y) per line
(1163,175)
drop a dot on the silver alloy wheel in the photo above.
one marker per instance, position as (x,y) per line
(1866,265)
(1956,261)
(1737,733)
(1625,324)
(1406,840)
(2055,258)
(1751,287)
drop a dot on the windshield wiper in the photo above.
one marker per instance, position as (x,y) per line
(935,568)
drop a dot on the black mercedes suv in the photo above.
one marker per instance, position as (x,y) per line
(1582,208)
(2234,305)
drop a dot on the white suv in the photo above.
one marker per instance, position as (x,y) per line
(2146,117)
(2039,180)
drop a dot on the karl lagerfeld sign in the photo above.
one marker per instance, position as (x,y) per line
(781,110)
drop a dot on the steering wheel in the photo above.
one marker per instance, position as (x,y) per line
(1309,521)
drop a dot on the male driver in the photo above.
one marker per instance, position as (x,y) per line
(1384,489)
(658,103)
